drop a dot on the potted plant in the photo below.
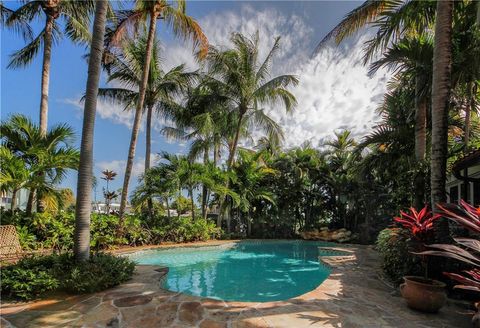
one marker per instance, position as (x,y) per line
(466,250)
(421,293)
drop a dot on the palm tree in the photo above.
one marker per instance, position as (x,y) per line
(162,87)
(392,20)
(183,26)
(441,87)
(76,16)
(14,174)
(245,81)
(411,58)
(47,157)
(84,185)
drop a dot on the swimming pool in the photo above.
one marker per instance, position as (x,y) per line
(250,271)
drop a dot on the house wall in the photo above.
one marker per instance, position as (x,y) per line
(455,186)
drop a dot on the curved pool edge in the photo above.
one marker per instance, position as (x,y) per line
(331,286)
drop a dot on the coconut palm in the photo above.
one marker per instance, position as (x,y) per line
(392,20)
(441,88)
(244,79)
(47,157)
(183,26)
(76,17)
(411,58)
(162,87)
(84,184)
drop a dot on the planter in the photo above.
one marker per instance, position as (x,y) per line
(422,294)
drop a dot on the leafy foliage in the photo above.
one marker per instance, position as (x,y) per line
(393,244)
(32,277)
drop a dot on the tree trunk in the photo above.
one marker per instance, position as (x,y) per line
(148,146)
(190,191)
(31,198)
(14,199)
(471,92)
(442,62)
(138,112)
(204,187)
(168,209)
(84,184)
(47,54)
(420,139)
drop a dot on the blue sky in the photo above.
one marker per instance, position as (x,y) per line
(334,92)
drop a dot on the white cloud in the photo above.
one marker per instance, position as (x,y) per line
(335,92)
(106,110)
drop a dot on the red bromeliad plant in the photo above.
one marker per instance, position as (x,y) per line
(420,224)
(469,249)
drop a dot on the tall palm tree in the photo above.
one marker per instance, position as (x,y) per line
(84,184)
(244,79)
(162,87)
(411,58)
(183,26)
(47,157)
(441,87)
(76,16)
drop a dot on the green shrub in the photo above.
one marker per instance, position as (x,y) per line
(100,272)
(397,261)
(33,277)
(29,278)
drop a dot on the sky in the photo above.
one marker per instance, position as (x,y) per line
(334,93)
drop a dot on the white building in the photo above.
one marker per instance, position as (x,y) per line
(464,183)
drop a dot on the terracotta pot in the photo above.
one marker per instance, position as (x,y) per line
(476,317)
(422,294)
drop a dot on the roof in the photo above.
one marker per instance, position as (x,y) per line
(468,160)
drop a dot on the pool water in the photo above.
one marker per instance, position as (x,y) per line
(245,271)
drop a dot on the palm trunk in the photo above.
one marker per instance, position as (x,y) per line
(168,209)
(14,199)
(138,112)
(204,187)
(420,139)
(47,54)
(471,92)
(148,146)
(190,191)
(442,62)
(31,198)
(84,184)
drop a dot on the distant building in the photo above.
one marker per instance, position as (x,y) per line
(22,199)
(464,183)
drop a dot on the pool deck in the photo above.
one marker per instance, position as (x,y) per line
(352,296)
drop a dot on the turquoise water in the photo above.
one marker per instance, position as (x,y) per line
(245,271)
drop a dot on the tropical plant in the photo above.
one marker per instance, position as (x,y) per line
(76,19)
(47,157)
(468,249)
(108,194)
(183,26)
(441,89)
(420,223)
(84,182)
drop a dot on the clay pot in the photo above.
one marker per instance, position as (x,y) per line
(422,294)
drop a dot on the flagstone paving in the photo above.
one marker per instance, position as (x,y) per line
(352,296)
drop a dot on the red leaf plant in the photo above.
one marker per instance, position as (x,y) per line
(418,223)
(467,250)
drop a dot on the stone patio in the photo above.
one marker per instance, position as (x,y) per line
(352,296)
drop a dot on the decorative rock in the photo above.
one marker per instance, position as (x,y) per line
(190,312)
(340,235)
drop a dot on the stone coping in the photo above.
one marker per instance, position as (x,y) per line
(352,296)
